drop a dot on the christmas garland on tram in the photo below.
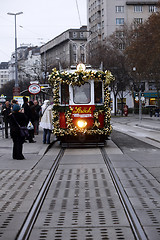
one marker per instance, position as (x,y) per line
(78,78)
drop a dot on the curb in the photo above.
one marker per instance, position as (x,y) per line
(148,127)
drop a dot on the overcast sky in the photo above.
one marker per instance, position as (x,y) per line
(40,22)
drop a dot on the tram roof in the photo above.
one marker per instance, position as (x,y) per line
(88,68)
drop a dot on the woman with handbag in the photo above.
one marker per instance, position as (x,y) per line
(17,119)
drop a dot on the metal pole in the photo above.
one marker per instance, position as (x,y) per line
(16,65)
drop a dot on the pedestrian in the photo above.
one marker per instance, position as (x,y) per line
(37,117)
(46,121)
(31,122)
(157,112)
(28,114)
(151,112)
(0,109)
(13,102)
(6,110)
(16,119)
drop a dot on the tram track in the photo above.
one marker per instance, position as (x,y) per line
(34,211)
(134,221)
(30,220)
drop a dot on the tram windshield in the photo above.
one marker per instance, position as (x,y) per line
(82,94)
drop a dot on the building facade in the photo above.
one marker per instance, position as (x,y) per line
(104,17)
(4,73)
(69,48)
(107,16)
(29,63)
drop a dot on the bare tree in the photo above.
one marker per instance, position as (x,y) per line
(143,52)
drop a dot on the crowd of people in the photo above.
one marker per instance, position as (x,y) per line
(30,115)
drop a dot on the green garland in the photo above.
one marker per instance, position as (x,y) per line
(79,78)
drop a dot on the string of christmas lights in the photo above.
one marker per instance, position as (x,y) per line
(79,78)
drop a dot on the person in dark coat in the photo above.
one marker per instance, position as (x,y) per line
(5,112)
(28,114)
(32,119)
(18,141)
(37,117)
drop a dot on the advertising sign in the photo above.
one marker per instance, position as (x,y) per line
(34,88)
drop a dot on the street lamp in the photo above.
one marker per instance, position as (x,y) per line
(140,98)
(16,65)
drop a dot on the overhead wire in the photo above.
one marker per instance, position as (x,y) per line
(78,13)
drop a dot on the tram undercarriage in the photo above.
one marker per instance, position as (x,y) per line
(83,139)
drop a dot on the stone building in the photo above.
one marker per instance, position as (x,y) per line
(105,16)
(69,48)
(4,75)
(29,63)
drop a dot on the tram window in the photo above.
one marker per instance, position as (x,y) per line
(64,93)
(82,94)
(97,92)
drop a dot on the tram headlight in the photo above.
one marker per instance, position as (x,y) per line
(81,123)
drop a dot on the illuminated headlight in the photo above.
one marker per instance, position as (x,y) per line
(81,123)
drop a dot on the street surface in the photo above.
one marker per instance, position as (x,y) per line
(82,202)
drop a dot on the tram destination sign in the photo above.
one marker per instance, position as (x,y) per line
(34,88)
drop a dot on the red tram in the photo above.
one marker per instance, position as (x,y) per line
(81,111)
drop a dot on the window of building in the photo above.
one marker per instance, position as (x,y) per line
(151,86)
(81,35)
(121,46)
(74,47)
(152,8)
(138,8)
(64,93)
(119,9)
(75,57)
(119,34)
(82,57)
(138,20)
(82,94)
(98,26)
(74,34)
(102,24)
(119,21)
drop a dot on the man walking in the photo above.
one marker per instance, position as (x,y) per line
(6,110)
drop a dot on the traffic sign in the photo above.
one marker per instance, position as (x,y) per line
(16,91)
(34,88)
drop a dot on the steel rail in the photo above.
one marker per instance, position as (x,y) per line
(28,224)
(132,217)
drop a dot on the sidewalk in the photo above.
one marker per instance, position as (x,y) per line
(146,130)
(32,152)
(148,122)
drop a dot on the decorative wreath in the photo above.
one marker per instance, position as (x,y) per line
(79,78)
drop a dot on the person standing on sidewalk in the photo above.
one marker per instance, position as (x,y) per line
(46,121)
(28,114)
(37,117)
(5,112)
(17,117)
